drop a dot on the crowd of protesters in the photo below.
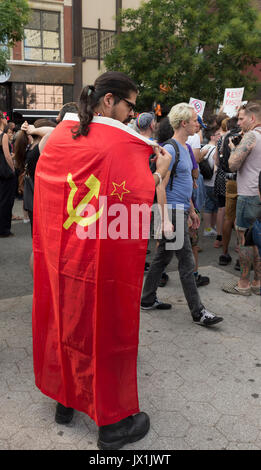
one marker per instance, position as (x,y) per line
(226,192)
(214,194)
(20,148)
(214,174)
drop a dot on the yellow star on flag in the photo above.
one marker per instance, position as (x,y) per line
(119,190)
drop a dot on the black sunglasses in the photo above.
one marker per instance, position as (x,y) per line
(131,105)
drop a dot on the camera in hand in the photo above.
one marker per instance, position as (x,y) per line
(236,139)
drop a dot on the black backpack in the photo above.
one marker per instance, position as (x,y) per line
(204,166)
(225,150)
(177,155)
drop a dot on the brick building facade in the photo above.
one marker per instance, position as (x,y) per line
(41,66)
(64,48)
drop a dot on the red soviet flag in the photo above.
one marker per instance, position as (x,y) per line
(87,288)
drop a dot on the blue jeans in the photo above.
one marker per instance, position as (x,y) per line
(186,267)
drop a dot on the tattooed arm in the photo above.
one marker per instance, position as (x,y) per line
(240,153)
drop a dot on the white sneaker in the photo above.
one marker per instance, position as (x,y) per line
(209,232)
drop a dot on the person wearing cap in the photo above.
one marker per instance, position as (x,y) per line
(146,124)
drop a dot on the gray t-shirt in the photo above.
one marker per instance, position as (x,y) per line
(248,174)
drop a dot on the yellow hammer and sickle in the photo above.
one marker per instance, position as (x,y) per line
(74,213)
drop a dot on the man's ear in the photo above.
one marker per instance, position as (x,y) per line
(253,118)
(108,100)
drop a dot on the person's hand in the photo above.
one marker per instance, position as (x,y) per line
(195,186)
(27,128)
(230,144)
(193,220)
(163,159)
(167,228)
(24,126)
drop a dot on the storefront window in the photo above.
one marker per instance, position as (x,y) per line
(32,96)
(44,97)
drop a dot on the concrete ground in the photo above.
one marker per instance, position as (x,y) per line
(201,387)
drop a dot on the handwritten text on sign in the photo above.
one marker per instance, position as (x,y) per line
(233,96)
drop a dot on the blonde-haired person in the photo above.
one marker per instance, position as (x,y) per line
(177,191)
(178,113)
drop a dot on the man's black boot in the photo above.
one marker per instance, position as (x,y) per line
(131,429)
(63,414)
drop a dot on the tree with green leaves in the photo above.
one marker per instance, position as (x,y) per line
(14,15)
(177,49)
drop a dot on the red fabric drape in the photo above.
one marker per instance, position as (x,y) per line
(87,291)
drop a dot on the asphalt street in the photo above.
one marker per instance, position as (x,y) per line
(15,251)
(200,386)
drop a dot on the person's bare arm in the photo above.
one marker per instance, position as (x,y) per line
(31,130)
(204,151)
(44,139)
(193,219)
(240,153)
(6,151)
(197,155)
(215,157)
(167,226)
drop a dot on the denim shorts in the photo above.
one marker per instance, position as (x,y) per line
(248,210)
(256,234)
(211,202)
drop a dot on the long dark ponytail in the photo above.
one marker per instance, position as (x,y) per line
(117,83)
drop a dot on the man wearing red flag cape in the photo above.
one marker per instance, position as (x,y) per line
(87,288)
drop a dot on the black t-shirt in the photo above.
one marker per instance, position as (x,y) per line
(3,160)
(225,150)
(32,157)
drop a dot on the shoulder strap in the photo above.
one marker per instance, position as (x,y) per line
(177,155)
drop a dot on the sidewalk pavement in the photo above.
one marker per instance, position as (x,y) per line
(200,386)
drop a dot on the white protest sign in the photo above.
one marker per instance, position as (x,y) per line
(232,100)
(198,105)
